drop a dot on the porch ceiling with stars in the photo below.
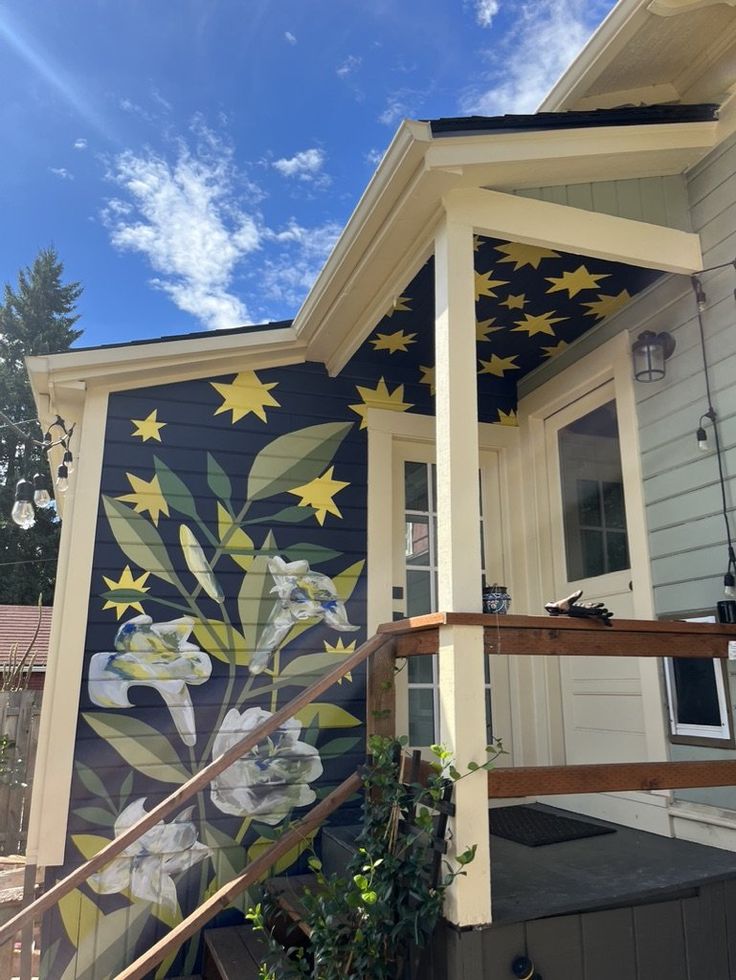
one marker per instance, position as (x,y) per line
(531,303)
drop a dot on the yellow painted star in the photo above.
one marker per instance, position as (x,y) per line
(574,282)
(380,397)
(514,302)
(555,349)
(498,366)
(126,581)
(539,324)
(522,255)
(477,242)
(483,328)
(507,418)
(341,650)
(149,427)
(484,285)
(400,305)
(393,342)
(427,378)
(146,496)
(319,493)
(245,394)
(606,305)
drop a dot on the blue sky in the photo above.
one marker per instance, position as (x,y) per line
(192,161)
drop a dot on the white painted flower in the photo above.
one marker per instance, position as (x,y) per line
(271,779)
(302,595)
(157,655)
(144,868)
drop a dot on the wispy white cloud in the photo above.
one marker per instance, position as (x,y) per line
(291,38)
(373,157)
(542,40)
(306,165)
(80,144)
(183,218)
(485,11)
(402,104)
(127,105)
(349,65)
(289,272)
(62,173)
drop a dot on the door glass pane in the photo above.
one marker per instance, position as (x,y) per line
(594,514)
(417,540)
(418,593)
(416,493)
(697,694)
(421,715)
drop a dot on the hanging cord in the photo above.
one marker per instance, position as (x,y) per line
(47,442)
(711,414)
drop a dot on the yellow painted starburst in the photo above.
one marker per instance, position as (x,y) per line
(126,581)
(498,366)
(146,496)
(319,493)
(507,418)
(522,255)
(341,650)
(606,305)
(555,349)
(427,378)
(477,242)
(380,397)
(246,393)
(574,282)
(514,302)
(400,305)
(393,342)
(538,324)
(149,427)
(484,327)
(484,285)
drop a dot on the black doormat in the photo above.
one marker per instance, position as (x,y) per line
(535,828)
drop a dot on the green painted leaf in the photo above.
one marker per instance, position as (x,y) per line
(339,746)
(312,663)
(289,515)
(124,595)
(222,641)
(175,490)
(138,539)
(126,789)
(346,581)
(325,715)
(295,458)
(255,601)
(140,745)
(218,480)
(228,859)
(48,958)
(233,539)
(261,844)
(110,946)
(92,782)
(313,553)
(96,815)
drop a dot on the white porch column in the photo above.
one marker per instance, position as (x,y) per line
(461,674)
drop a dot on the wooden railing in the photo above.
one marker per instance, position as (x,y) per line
(503,635)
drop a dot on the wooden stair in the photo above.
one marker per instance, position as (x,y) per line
(232,953)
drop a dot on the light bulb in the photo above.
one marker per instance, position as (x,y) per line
(702,436)
(41,498)
(62,478)
(729,586)
(23,514)
(68,461)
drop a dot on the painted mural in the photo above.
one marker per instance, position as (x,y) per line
(229,571)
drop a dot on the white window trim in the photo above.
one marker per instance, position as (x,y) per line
(720,732)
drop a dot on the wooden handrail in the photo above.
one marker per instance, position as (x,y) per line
(192,786)
(255,870)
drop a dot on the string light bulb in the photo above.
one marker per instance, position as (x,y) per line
(62,478)
(23,513)
(68,462)
(41,495)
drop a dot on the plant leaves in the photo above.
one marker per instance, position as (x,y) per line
(175,490)
(138,539)
(222,641)
(218,480)
(313,553)
(140,745)
(261,844)
(96,815)
(255,601)
(238,542)
(289,515)
(294,459)
(326,716)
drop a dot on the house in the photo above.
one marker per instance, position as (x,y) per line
(18,626)
(250,505)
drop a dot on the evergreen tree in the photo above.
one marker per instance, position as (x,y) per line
(37,317)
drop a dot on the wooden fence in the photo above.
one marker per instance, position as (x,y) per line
(20,713)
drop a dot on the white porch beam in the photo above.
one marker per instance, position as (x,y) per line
(559,226)
(461,673)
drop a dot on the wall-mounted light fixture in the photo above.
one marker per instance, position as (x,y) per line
(650,350)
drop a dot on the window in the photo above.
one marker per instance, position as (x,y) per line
(698,698)
(420,559)
(594,514)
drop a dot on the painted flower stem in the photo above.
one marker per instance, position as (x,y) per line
(244,827)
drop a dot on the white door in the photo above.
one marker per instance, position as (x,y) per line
(601,696)
(415,587)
